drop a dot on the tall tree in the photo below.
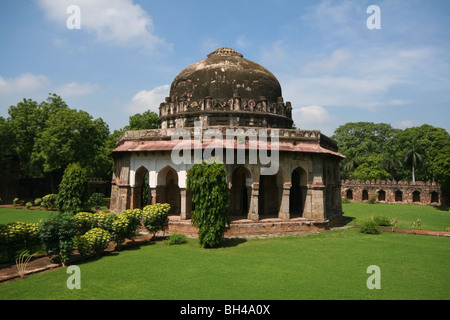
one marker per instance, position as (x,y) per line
(70,136)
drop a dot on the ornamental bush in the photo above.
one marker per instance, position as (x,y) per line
(134,217)
(176,238)
(84,222)
(18,236)
(370,227)
(207,180)
(49,201)
(73,195)
(56,234)
(156,217)
(96,200)
(95,241)
(382,221)
(103,220)
(119,230)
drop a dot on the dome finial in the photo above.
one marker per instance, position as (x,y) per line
(225,52)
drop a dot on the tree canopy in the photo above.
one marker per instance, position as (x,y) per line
(379,152)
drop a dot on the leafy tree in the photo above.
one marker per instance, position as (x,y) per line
(26,120)
(207,180)
(146,120)
(71,136)
(73,196)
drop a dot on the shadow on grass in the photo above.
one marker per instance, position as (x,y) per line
(231,242)
(442,208)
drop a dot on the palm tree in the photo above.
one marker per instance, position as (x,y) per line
(415,153)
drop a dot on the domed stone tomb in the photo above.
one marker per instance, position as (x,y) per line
(225,89)
(227,93)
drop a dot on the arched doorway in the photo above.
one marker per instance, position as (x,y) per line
(270,192)
(434,197)
(398,196)
(142,194)
(381,195)
(297,195)
(416,196)
(167,190)
(240,192)
(349,194)
(365,195)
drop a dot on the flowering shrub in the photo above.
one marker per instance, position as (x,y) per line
(134,217)
(17,236)
(156,217)
(95,240)
(119,229)
(49,201)
(84,222)
(103,220)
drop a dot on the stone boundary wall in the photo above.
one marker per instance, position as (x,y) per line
(424,193)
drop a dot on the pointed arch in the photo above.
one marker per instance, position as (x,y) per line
(167,189)
(298,191)
(241,184)
(141,194)
(270,193)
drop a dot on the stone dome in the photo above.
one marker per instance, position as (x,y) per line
(225,89)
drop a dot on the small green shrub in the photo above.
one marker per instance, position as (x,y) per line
(95,240)
(49,201)
(37,201)
(382,221)
(15,201)
(28,205)
(370,227)
(156,217)
(96,200)
(176,238)
(103,220)
(56,234)
(84,222)
(18,236)
(345,200)
(119,230)
(134,217)
(372,199)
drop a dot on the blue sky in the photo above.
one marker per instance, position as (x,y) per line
(331,67)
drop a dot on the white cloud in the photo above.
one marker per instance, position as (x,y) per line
(337,59)
(24,83)
(335,18)
(116,22)
(403,124)
(148,100)
(76,89)
(314,117)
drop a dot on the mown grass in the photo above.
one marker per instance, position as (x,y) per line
(432,218)
(325,265)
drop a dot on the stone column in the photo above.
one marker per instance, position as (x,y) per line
(284,206)
(253,211)
(183,204)
(153,194)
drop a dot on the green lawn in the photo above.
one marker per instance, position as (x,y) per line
(433,218)
(328,265)
(8,215)
(325,265)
